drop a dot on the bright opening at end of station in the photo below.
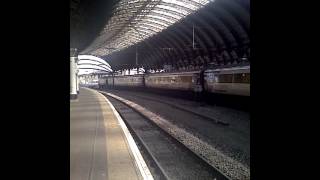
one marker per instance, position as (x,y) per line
(89,64)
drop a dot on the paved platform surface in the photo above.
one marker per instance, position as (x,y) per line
(98,146)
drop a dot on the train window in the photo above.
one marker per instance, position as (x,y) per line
(242,78)
(216,79)
(208,77)
(164,79)
(186,78)
(224,78)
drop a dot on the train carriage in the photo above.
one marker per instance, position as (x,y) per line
(102,82)
(233,80)
(227,80)
(175,81)
(129,81)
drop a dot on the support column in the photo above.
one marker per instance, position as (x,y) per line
(73,75)
(78,84)
(77,77)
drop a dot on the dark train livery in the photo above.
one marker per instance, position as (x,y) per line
(225,80)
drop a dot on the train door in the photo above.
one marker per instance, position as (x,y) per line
(198,86)
(143,81)
(201,80)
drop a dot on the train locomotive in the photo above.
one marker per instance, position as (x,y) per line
(223,80)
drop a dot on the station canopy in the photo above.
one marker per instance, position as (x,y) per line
(133,21)
(173,34)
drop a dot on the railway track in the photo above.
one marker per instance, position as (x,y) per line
(215,120)
(157,142)
(232,139)
(167,157)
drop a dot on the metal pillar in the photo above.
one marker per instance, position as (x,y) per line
(73,74)
(137,60)
(193,36)
(77,77)
(78,82)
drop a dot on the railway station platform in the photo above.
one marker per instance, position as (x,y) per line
(101,146)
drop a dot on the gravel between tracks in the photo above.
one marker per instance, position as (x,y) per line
(233,140)
(207,152)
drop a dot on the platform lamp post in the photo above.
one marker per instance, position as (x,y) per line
(73,73)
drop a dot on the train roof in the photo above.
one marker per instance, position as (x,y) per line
(242,64)
(174,73)
(230,68)
(131,75)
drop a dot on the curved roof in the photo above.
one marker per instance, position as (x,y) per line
(217,33)
(87,19)
(93,59)
(135,20)
(93,63)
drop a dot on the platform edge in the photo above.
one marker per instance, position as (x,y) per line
(139,161)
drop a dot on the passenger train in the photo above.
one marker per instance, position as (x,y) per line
(225,80)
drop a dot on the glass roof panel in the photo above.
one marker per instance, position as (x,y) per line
(135,20)
(183,11)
